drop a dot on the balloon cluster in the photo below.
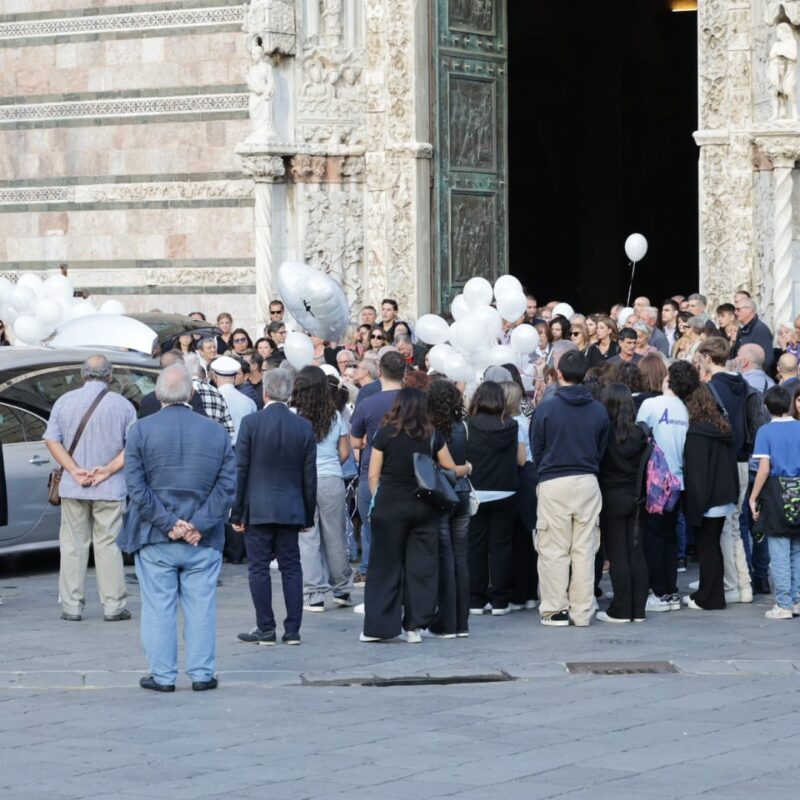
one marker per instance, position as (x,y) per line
(33,308)
(463,351)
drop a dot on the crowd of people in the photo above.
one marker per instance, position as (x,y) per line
(630,441)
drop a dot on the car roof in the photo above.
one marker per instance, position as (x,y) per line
(14,358)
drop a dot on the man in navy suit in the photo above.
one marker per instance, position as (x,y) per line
(181,479)
(276,495)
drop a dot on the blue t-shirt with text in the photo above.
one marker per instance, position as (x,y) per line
(779,441)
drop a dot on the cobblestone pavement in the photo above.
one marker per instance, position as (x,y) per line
(287,722)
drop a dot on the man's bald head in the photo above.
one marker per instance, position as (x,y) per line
(787,366)
(96,368)
(753,355)
(170,357)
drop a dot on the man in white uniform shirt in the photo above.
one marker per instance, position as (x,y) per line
(225,370)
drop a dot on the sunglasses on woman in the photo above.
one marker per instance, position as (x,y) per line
(376,336)
(239,340)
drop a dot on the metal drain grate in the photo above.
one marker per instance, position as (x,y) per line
(621,668)
(413,680)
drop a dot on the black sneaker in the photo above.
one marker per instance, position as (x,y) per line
(291,638)
(257,636)
(70,617)
(558,620)
(149,682)
(204,686)
(342,600)
(119,616)
(681,565)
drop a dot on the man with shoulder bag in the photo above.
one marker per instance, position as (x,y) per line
(86,435)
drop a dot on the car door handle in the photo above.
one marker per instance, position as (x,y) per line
(37,460)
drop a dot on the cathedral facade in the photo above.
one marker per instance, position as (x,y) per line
(173,154)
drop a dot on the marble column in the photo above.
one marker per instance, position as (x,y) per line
(266,171)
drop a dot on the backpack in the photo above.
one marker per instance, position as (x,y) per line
(662,489)
(755,413)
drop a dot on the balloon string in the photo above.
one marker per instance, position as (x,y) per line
(630,287)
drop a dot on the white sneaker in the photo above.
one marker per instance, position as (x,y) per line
(735,596)
(674,601)
(478,611)
(362,637)
(595,604)
(603,617)
(746,594)
(776,612)
(314,607)
(501,612)
(412,637)
(517,606)
(694,585)
(359,609)
(431,635)
(691,604)
(273,565)
(531,604)
(656,604)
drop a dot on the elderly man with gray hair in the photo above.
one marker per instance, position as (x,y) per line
(753,330)
(181,478)
(658,339)
(86,435)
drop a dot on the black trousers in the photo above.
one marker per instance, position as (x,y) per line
(452,612)
(625,551)
(711,592)
(491,535)
(403,565)
(661,551)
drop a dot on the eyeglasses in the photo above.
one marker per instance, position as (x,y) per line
(240,340)
(275,313)
(574,333)
(376,336)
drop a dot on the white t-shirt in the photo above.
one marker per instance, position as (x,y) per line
(669,420)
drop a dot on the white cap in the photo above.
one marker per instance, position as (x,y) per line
(225,365)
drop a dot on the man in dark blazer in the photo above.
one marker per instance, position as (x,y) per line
(276,495)
(151,404)
(181,479)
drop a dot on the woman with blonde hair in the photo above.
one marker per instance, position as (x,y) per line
(579,335)
(606,345)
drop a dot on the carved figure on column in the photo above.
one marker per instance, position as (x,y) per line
(782,73)
(332,22)
(261,83)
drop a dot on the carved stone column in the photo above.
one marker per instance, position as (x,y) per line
(781,151)
(266,171)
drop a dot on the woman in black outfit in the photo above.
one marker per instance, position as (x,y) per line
(711,478)
(402,588)
(493,449)
(606,345)
(619,520)
(446,406)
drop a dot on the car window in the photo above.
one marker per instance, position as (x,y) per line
(32,426)
(51,384)
(133,384)
(11,430)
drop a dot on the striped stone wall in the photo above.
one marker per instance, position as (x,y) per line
(118,122)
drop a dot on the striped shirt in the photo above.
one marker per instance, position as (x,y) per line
(102,439)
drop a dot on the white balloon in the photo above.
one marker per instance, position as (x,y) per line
(466,335)
(456,368)
(506,284)
(459,307)
(82,308)
(112,307)
(5,290)
(432,329)
(27,329)
(623,315)
(636,247)
(58,286)
(524,339)
(563,310)
(438,355)
(490,322)
(8,314)
(481,359)
(49,312)
(33,282)
(504,354)
(512,306)
(299,350)
(478,292)
(22,298)
(314,299)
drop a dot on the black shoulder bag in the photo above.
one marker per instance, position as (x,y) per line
(434,486)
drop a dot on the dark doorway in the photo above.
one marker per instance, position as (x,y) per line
(602,107)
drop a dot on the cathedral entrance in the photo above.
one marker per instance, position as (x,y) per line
(602,104)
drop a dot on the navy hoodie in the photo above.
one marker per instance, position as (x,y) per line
(569,434)
(732,390)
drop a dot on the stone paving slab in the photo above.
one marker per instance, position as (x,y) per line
(75,726)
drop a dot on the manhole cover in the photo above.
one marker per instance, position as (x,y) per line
(413,680)
(621,668)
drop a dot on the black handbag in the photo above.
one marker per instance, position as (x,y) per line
(434,485)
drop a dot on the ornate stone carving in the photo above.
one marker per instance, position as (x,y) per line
(134,22)
(332,23)
(261,84)
(774,9)
(713,63)
(123,107)
(473,244)
(308,168)
(472,124)
(159,277)
(263,167)
(782,73)
(333,226)
(273,21)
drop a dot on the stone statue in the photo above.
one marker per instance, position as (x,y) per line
(332,21)
(782,73)
(261,83)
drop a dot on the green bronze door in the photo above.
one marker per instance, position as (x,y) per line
(470,191)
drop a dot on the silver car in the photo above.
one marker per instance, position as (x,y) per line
(31,380)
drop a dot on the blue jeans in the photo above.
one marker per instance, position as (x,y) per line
(784,563)
(364,500)
(166,572)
